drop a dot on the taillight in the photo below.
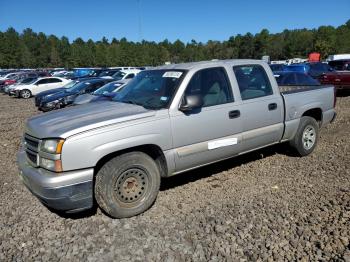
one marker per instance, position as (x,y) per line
(335,96)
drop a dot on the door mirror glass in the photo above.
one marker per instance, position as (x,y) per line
(191,102)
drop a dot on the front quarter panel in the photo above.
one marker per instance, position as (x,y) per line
(85,149)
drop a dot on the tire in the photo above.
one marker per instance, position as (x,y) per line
(25,93)
(306,137)
(127,185)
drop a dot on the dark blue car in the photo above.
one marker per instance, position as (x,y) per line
(315,69)
(288,78)
(43,95)
(67,96)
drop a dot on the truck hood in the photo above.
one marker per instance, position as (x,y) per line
(70,121)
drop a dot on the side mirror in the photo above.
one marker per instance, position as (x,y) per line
(191,102)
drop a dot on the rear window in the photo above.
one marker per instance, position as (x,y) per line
(252,81)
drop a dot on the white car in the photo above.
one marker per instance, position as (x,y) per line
(40,85)
(124,74)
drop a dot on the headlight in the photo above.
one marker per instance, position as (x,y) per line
(70,98)
(53,103)
(50,158)
(53,165)
(52,146)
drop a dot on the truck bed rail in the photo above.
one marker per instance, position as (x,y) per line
(297,89)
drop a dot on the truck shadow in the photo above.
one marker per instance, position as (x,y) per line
(343,93)
(197,174)
(209,170)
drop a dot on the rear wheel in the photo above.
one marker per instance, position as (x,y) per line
(306,138)
(25,94)
(127,185)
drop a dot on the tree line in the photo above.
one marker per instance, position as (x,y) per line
(38,50)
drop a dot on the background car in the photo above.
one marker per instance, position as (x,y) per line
(25,81)
(315,70)
(340,80)
(44,94)
(66,97)
(287,78)
(106,92)
(40,85)
(340,65)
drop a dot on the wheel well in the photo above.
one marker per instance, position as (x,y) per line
(154,151)
(314,113)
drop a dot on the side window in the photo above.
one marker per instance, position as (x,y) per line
(212,84)
(53,80)
(130,76)
(252,81)
(42,81)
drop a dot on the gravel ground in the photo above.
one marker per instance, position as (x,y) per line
(264,206)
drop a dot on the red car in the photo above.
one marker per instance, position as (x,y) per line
(340,79)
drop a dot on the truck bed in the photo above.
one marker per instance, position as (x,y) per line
(299,99)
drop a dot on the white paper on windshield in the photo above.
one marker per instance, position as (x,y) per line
(173,74)
(222,143)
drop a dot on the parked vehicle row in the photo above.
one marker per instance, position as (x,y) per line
(314,69)
(165,121)
(31,84)
(67,96)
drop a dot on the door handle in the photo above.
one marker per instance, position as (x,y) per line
(272,106)
(234,114)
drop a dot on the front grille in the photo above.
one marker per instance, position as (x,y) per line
(31,147)
(32,157)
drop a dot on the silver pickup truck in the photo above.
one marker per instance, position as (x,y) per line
(166,121)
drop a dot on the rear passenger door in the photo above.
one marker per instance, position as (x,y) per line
(212,132)
(41,85)
(261,109)
(51,84)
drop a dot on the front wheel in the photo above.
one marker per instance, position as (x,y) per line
(306,138)
(25,94)
(127,185)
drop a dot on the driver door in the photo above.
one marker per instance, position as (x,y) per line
(212,132)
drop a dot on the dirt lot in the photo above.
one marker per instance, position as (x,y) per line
(267,205)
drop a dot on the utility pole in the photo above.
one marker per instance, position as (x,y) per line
(139,17)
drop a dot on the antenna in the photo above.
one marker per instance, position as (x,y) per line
(139,17)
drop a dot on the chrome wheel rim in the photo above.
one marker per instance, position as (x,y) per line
(309,137)
(131,186)
(25,94)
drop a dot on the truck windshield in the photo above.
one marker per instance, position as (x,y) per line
(153,89)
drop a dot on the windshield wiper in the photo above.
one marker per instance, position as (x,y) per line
(135,103)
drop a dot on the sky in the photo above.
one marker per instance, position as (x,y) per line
(156,20)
